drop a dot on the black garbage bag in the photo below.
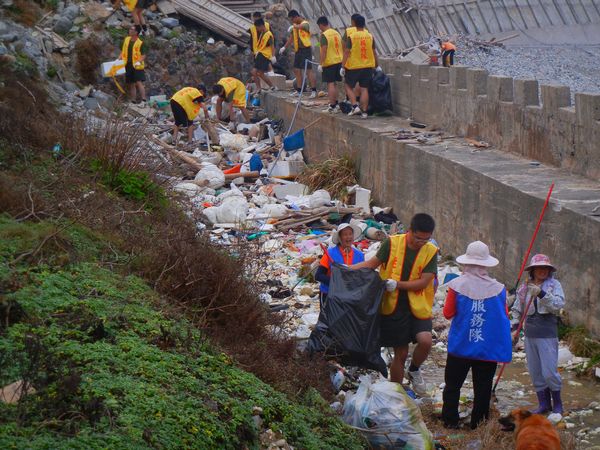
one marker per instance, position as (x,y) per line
(348,326)
(380,94)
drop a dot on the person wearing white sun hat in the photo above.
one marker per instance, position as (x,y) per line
(343,253)
(546,298)
(479,336)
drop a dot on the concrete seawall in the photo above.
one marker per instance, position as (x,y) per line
(489,195)
(506,112)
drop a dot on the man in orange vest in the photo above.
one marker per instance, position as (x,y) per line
(448,50)
(137,12)
(331,61)
(185,105)
(409,266)
(300,39)
(133,54)
(360,58)
(264,54)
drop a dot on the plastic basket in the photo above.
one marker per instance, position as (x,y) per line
(294,141)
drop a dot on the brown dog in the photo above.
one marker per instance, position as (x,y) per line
(533,431)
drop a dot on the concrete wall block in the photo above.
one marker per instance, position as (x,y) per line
(477,82)
(403,66)
(555,96)
(424,71)
(526,92)
(442,74)
(587,108)
(458,77)
(500,88)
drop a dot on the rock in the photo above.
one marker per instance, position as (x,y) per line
(114,21)
(7,3)
(105,100)
(71,11)
(166,33)
(91,103)
(9,37)
(80,20)
(232,50)
(3,27)
(3,49)
(63,25)
(169,22)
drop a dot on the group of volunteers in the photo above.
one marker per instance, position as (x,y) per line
(480,333)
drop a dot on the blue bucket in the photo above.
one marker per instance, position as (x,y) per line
(294,141)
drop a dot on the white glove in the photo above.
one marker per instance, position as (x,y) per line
(273,60)
(378,69)
(319,68)
(137,64)
(282,50)
(290,28)
(342,71)
(390,285)
(533,290)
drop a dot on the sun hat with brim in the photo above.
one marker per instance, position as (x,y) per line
(355,229)
(539,260)
(477,254)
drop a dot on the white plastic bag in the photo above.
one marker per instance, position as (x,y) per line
(319,198)
(211,175)
(233,210)
(236,142)
(387,416)
(274,210)
(187,188)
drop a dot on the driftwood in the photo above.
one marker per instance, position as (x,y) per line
(306,216)
(183,156)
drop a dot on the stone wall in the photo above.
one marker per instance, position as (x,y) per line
(517,116)
(489,195)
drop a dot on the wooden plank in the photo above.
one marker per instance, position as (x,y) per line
(166,7)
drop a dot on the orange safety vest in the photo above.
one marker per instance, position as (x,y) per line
(447,46)
(420,302)
(361,55)
(301,34)
(254,35)
(334,54)
(131,4)
(136,53)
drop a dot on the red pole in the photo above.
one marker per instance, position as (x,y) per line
(524,316)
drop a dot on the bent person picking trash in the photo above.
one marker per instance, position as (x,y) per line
(231,90)
(185,105)
(409,266)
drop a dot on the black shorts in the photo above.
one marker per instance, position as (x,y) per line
(361,76)
(331,74)
(301,55)
(133,75)
(399,330)
(181,118)
(143,4)
(261,63)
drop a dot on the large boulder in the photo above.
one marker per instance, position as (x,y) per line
(70,12)
(63,25)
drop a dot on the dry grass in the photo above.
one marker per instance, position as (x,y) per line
(88,59)
(334,175)
(27,12)
(489,436)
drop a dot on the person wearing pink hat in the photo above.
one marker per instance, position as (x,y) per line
(545,297)
(479,336)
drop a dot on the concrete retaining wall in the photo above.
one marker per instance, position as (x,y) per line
(489,195)
(508,113)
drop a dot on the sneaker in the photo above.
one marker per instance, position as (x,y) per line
(418,383)
(313,94)
(294,94)
(333,109)
(273,88)
(355,111)
(364,115)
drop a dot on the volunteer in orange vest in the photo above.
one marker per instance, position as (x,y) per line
(263,55)
(300,38)
(133,54)
(448,50)
(254,34)
(331,61)
(360,58)
(409,266)
(185,105)
(232,91)
(137,12)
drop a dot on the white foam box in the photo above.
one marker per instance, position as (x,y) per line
(109,64)
(286,168)
(278,80)
(295,189)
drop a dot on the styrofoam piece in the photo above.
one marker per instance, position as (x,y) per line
(286,168)
(295,189)
(363,198)
(106,66)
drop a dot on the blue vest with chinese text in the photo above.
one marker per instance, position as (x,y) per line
(336,255)
(481,329)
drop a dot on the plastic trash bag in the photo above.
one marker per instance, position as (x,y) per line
(380,94)
(348,325)
(387,416)
(211,175)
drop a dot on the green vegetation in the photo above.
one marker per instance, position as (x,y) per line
(117,34)
(51,72)
(24,64)
(110,369)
